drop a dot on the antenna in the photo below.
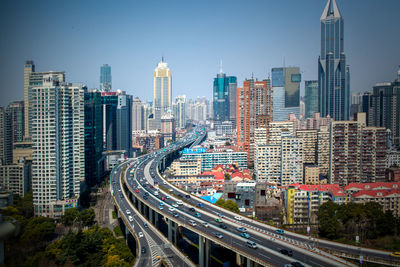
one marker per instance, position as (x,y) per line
(162,58)
(220,66)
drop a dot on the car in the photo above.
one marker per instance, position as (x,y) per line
(176,214)
(130,218)
(121,195)
(171,190)
(143,250)
(279,231)
(219,235)
(128,212)
(245,235)
(140,234)
(156,193)
(205,224)
(151,186)
(119,189)
(297,264)
(286,252)
(241,229)
(167,197)
(187,196)
(164,182)
(192,223)
(162,198)
(161,207)
(220,215)
(239,218)
(145,225)
(218,220)
(175,205)
(222,225)
(146,193)
(192,209)
(145,197)
(171,209)
(137,190)
(251,244)
(201,205)
(179,202)
(395,254)
(198,215)
(161,204)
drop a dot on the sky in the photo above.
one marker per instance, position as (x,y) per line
(250,37)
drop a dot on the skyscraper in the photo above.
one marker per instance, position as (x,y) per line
(162,92)
(286,92)
(58,145)
(179,109)
(311,98)
(110,102)
(333,74)
(124,124)
(105,78)
(93,137)
(32,78)
(224,86)
(137,115)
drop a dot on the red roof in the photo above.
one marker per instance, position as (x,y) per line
(219,175)
(376,193)
(334,189)
(237,174)
(371,186)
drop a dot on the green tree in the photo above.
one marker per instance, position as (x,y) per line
(87,217)
(70,216)
(231,205)
(220,202)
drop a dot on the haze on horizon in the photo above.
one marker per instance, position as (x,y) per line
(193,36)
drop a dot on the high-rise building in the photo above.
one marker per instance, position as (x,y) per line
(6,155)
(179,109)
(386,108)
(168,127)
(224,88)
(323,150)
(291,159)
(311,98)
(333,74)
(358,152)
(138,117)
(110,103)
(93,137)
(124,124)
(162,92)
(309,138)
(58,167)
(105,78)
(286,92)
(254,100)
(33,78)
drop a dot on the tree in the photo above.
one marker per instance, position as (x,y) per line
(70,216)
(220,202)
(87,217)
(232,206)
(227,176)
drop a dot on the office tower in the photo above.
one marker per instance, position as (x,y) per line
(386,108)
(286,92)
(358,152)
(110,102)
(311,98)
(105,78)
(333,74)
(179,109)
(124,124)
(168,127)
(367,107)
(323,150)
(58,169)
(254,100)
(356,104)
(224,88)
(6,143)
(147,111)
(309,139)
(93,137)
(138,117)
(162,92)
(33,78)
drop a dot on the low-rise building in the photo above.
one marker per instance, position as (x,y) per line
(186,167)
(209,160)
(16,177)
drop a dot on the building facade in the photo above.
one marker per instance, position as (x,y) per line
(105,78)
(162,92)
(311,98)
(224,87)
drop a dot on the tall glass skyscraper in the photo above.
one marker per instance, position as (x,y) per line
(223,87)
(162,92)
(105,78)
(311,98)
(334,91)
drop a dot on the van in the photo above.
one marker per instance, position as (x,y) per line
(251,244)
(192,223)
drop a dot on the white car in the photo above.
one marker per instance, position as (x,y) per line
(175,205)
(171,209)
(128,212)
(140,234)
(205,224)
(130,218)
(239,218)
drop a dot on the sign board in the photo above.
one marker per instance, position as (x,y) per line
(194,150)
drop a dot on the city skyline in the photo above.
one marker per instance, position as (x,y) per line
(189,35)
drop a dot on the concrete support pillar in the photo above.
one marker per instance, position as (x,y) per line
(204,252)
(151,216)
(127,233)
(239,259)
(156,219)
(250,263)
(170,230)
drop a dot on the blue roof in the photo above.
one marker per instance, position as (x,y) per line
(212,198)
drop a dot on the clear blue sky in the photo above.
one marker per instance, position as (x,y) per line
(249,36)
